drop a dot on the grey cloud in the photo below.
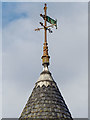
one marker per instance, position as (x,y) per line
(22,49)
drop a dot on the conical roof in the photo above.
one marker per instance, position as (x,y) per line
(46,100)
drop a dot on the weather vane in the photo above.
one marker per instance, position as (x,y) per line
(45,57)
(47,19)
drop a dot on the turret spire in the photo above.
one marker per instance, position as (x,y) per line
(46,101)
(46,57)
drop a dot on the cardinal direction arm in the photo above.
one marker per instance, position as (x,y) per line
(38,29)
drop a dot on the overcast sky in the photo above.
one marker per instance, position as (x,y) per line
(22,51)
(0,59)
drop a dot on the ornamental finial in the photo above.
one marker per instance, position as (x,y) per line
(45,57)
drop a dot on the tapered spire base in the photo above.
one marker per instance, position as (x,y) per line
(45,57)
(45,60)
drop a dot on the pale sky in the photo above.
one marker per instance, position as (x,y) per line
(22,51)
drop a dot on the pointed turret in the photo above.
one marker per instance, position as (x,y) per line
(46,101)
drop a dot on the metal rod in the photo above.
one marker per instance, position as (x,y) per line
(38,29)
(50,25)
(45,10)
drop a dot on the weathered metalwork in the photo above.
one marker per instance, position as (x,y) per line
(45,57)
(51,21)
